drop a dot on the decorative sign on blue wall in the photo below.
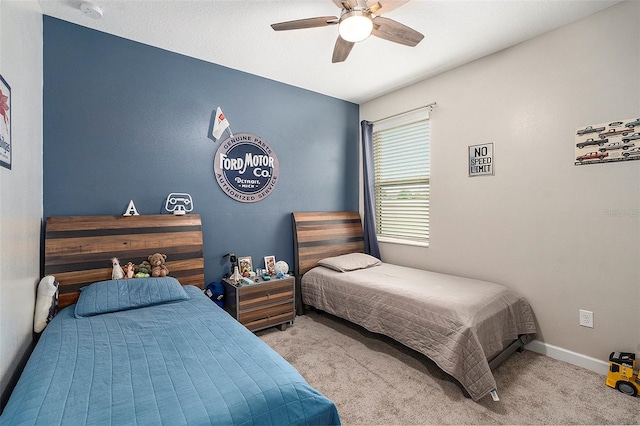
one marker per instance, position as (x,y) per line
(246,168)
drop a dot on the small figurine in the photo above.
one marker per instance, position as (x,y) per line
(117,273)
(129,270)
(143,270)
(235,277)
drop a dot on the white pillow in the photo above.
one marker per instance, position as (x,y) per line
(46,303)
(349,262)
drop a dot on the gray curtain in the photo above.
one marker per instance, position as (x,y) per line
(369,220)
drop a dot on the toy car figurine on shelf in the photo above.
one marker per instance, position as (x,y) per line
(621,373)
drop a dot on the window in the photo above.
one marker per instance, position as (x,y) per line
(401,159)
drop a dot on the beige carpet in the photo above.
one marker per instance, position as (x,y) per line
(374,380)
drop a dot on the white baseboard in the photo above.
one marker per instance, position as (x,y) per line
(565,355)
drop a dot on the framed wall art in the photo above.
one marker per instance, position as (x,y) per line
(481,160)
(610,142)
(5,124)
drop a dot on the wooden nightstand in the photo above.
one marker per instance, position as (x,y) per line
(263,304)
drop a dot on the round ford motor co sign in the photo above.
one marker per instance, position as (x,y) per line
(246,168)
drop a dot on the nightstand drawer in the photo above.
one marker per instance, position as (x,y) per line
(265,294)
(246,317)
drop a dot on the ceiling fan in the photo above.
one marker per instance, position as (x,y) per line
(358,20)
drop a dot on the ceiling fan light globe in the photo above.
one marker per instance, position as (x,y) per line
(355,26)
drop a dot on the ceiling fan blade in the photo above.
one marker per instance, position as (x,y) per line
(391,30)
(320,21)
(346,4)
(341,50)
(384,6)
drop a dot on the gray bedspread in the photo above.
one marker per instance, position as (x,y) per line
(459,323)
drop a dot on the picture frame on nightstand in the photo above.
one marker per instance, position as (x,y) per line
(270,264)
(245,265)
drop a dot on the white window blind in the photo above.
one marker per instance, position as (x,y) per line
(401,176)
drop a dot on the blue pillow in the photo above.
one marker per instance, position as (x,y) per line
(121,295)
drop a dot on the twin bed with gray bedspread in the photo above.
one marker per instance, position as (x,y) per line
(464,325)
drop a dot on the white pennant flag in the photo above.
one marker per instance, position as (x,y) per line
(220,124)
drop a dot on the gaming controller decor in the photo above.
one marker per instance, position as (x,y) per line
(179,203)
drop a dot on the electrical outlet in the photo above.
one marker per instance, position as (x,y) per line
(586,318)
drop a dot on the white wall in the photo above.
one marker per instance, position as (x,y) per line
(20,187)
(566,237)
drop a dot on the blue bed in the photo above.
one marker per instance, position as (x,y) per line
(158,356)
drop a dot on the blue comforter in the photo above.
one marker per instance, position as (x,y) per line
(186,362)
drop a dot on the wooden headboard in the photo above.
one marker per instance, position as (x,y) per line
(78,249)
(318,235)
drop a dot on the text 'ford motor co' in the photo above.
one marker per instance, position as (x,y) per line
(246,168)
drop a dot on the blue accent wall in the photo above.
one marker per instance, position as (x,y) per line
(127,121)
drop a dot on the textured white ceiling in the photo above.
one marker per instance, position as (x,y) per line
(237,34)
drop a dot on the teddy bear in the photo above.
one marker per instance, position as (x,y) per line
(158,269)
